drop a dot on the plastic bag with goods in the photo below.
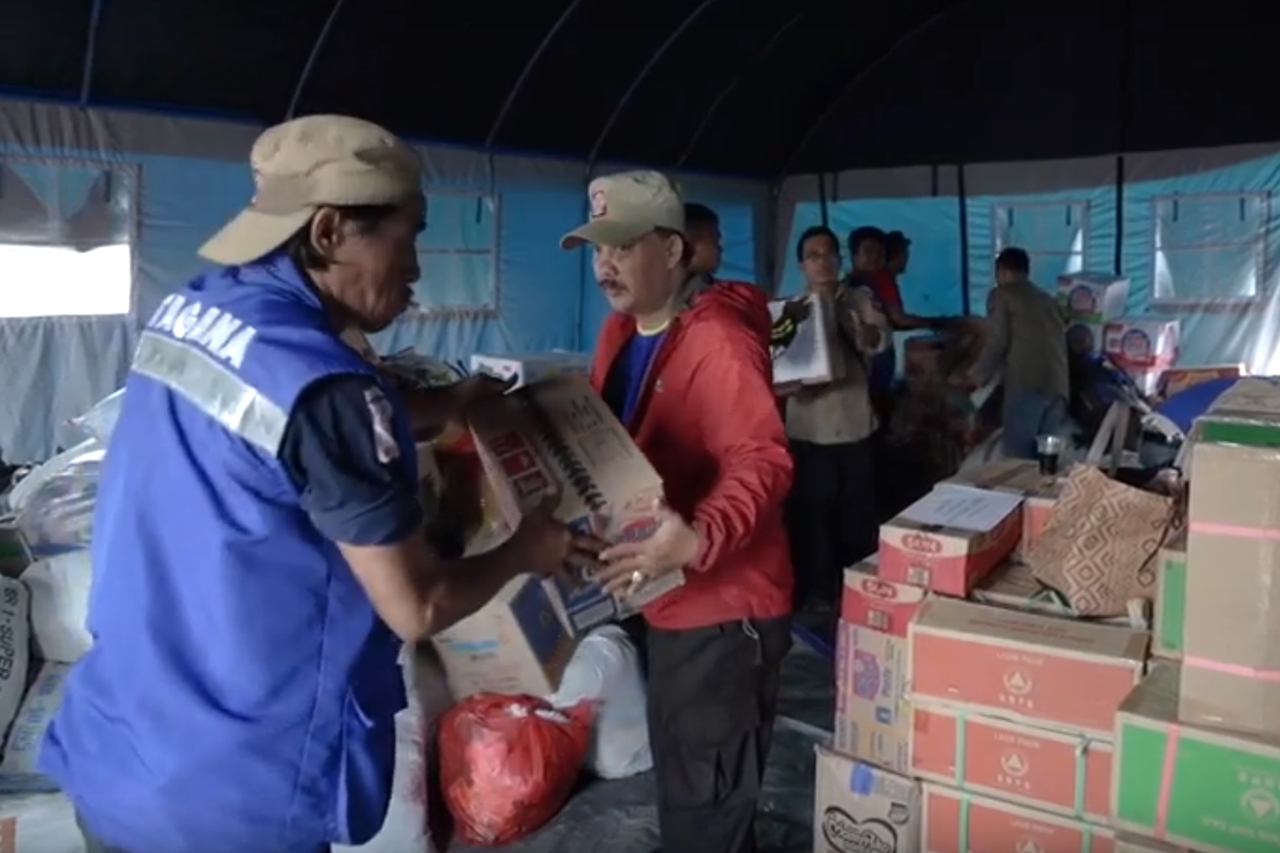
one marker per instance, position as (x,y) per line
(53,505)
(509,763)
(97,423)
(605,669)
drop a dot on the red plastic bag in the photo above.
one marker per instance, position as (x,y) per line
(508,763)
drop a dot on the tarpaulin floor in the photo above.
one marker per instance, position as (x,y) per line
(619,816)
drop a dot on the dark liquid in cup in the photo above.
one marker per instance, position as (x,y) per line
(1048,464)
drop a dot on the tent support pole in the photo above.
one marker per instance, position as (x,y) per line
(321,38)
(963,197)
(828,112)
(518,86)
(90,48)
(640,78)
(1124,114)
(732,86)
(822,199)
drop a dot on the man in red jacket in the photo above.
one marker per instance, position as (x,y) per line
(684,363)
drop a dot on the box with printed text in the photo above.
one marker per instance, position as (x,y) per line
(558,437)
(532,367)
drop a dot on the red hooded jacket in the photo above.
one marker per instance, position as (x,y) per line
(708,422)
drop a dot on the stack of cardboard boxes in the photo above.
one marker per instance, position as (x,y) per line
(1002,723)
(974,713)
(1198,742)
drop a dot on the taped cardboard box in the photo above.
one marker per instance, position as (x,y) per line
(558,437)
(1171,598)
(1092,297)
(515,644)
(810,357)
(859,808)
(872,720)
(1142,348)
(1205,789)
(1129,843)
(1021,477)
(532,367)
(1061,773)
(1023,666)
(956,822)
(39,823)
(1231,641)
(950,539)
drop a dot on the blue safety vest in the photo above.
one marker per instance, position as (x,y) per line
(240,693)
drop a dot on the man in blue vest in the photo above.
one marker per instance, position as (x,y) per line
(258,551)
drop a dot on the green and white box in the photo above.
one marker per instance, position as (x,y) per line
(1208,790)
(1171,599)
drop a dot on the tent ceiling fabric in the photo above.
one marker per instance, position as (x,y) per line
(735,86)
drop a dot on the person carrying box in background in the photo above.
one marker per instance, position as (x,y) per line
(685,365)
(832,515)
(259,550)
(1026,344)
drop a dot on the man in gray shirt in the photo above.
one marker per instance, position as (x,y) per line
(1027,345)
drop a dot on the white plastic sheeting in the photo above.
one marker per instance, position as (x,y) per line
(495,278)
(1196,230)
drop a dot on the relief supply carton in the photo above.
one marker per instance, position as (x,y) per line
(1197,788)
(1014,585)
(18,773)
(1143,348)
(1021,477)
(1092,297)
(951,538)
(1055,772)
(810,358)
(1175,380)
(532,367)
(558,437)
(515,644)
(1023,666)
(859,808)
(956,822)
(1129,843)
(1231,638)
(15,647)
(1171,598)
(39,823)
(872,720)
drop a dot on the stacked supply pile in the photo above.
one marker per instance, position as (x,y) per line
(1197,760)
(1090,300)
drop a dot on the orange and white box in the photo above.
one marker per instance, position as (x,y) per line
(1022,477)
(951,538)
(1055,673)
(1061,773)
(873,720)
(956,822)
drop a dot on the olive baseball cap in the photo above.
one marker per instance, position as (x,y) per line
(625,207)
(308,163)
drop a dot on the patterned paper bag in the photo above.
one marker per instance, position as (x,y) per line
(1099,546)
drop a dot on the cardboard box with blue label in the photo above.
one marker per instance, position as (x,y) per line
(515,644)
(557,436)
(860,808)
(1092,297)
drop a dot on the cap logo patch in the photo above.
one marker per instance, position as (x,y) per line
(257,185)
(599,204)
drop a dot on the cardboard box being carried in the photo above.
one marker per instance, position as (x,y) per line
(1061,773)
(558,437)
(1171,598)
(956,822)
(872,719)
(1204,789)
(810,358)
(862,809)
(1021,477)
(1231,643)
(532,367)
(1022,666)
(1091,297)
(515,644)
(949,539)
